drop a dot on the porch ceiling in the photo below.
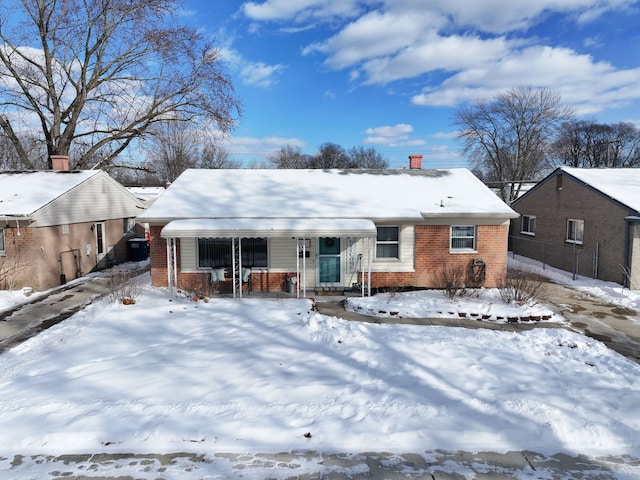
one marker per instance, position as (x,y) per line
(269,227)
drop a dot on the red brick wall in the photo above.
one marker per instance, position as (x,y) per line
(158,255)
(431,253)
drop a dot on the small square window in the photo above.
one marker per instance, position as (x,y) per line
(128,226)
(575,231)
(65,229)
(528,225)
(463,237)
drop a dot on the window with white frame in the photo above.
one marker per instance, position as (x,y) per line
(388,242)
(2,250)
(463,238)
(528,225)
(575,230)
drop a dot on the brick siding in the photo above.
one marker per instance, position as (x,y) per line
(431,253)
(604,227)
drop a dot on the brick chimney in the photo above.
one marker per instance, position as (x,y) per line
(415,162)
(60,162)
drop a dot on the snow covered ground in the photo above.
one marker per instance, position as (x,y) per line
(254,375)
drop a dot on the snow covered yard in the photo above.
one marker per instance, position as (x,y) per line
(170,375)
(482,304)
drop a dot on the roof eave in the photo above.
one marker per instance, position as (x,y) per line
(478,215)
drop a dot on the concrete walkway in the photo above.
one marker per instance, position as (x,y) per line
(311,465)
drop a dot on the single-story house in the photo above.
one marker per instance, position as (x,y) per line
(58,225)
(325,230)
(585,221)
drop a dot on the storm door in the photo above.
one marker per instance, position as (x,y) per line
(329,264)
(101,250)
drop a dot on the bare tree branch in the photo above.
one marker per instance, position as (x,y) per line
(104,72)
(508,138)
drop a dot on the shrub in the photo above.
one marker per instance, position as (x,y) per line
(450,278)
(521,287)
(124,287)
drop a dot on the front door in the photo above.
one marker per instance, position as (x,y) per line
(101,251)
(329,264)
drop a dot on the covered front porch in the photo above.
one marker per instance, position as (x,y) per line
(315,256)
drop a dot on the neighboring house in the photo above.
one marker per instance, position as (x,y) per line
(147,195)
(329,230)
(58,225)
(585,221)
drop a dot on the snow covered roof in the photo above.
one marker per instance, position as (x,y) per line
(23,193)
(326,194)
(620,184)
(269,227)
(146,193)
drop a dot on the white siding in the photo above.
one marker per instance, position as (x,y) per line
(189,254)
(407,250)
(282,254)
(97,199)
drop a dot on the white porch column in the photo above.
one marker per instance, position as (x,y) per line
(175,262)
(369,266)
(169,266)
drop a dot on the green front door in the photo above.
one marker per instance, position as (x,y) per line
(329,266)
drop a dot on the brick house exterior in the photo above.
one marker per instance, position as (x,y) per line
(384,229)
(585,221)
(56,226)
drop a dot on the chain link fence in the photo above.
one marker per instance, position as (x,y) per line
(571,258)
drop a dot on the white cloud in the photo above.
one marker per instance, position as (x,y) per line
(390,131)
(447,54)
(258,74)
(462,50)
(373,35)
(589,86)
(301,10)
(392,136)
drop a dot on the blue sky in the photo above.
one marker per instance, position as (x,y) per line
(390,73)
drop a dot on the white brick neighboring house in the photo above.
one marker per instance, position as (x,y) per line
(57,225)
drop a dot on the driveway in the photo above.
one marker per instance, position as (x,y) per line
(29,319)
(617,327)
